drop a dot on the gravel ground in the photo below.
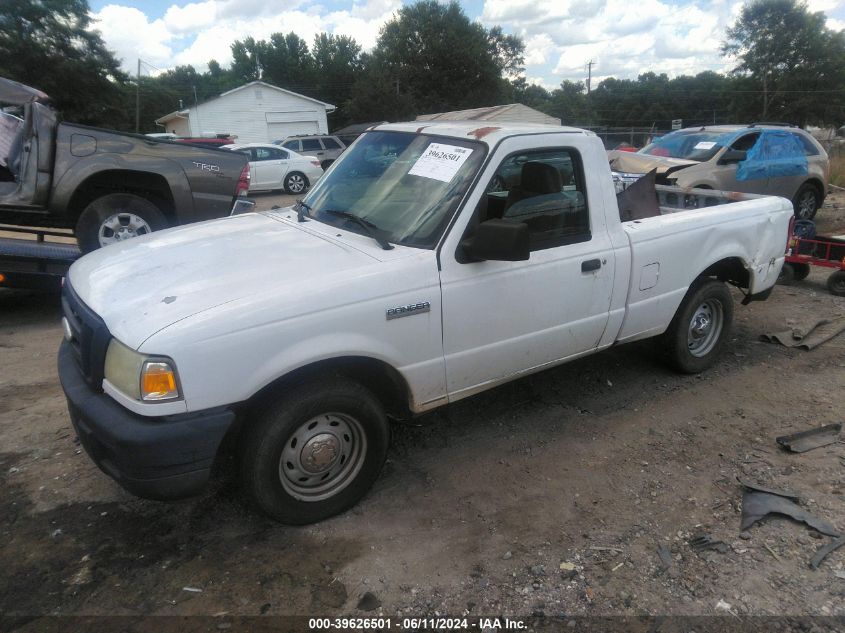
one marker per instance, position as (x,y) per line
(550,495)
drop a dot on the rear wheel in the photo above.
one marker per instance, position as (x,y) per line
(836,283)
(697,333)
(806,202)
(314,452)
(295,183)
(325,164)
(116,217)
(802,271)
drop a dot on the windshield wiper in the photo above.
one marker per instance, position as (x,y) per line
(369,227)
(301,208)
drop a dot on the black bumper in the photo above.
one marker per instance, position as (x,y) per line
(169,457)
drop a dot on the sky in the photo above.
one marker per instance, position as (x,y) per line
(622,38)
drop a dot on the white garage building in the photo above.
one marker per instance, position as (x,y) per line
(256,112)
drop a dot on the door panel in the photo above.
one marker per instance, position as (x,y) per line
(751,179)
(502,318)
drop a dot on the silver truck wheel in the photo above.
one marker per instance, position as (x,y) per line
(698,331)
(122,226)
(116,217)
(295,183)
(323,455)
(705,327)
(314,451)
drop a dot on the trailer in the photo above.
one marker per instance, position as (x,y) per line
(32,261)
(807,249)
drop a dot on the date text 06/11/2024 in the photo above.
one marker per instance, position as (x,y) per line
(416,624)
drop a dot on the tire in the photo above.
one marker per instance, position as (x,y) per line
(836,283)
(700,327)
(116,217)
(788,274)
(325,164)
(346,431)
(802,271)
(806,202)
(296,183)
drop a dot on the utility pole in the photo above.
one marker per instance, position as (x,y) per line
(138,99)
(589,74)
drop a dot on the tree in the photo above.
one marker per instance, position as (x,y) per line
(795,59)
(431,57)
(337,65)
(49,43)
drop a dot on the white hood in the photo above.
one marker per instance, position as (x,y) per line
(143,285)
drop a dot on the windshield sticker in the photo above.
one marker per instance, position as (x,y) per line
(440,162)
(705,145)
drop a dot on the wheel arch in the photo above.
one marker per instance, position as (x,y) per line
(381,378)
(728,269)
(149,185)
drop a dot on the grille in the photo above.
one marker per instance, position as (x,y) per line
(90,337)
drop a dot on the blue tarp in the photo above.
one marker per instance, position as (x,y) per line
(776,153)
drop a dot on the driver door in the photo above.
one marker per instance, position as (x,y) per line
(270,167)
(752,177)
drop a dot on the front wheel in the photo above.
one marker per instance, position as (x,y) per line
(806,202)
(116,217)
(314,452)
(295,183)
(698,331)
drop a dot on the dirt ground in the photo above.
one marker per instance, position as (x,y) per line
(548,495)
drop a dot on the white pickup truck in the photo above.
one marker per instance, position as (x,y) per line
(431,262)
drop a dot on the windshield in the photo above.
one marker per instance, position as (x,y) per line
(406,186)
(687,144)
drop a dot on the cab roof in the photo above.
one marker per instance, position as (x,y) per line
(490,132)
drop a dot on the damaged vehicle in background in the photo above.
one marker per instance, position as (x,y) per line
(771,159)
(107,186)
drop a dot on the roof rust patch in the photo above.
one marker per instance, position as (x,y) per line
(481,132)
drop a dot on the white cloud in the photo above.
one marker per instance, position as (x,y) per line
(622,37)
(196,32)
(130,34)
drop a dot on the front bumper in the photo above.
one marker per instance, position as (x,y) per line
(169,457)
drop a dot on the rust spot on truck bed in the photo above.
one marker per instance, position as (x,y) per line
(481,132)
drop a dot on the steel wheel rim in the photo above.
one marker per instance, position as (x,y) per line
(705,327)
(806,205)
(120,226)
(296,183)
(322,456)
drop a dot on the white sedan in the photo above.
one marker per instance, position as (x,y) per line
(272,167)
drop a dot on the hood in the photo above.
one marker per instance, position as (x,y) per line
(635,163)
(143,285)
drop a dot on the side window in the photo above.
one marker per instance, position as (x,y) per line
(809,147)
(311,145)
(292,145)
(283,155)
(745,143)
(545,190)
(330,143)
(262,153)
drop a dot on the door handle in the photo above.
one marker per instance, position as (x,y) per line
(590,265)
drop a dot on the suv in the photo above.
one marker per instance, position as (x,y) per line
(326,148)
(764,158)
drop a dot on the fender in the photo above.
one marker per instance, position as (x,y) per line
(81,170)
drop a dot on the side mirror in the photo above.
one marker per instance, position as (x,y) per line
(498,240)
(733,156)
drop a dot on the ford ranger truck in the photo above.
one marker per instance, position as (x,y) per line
(107,186)
(402,282)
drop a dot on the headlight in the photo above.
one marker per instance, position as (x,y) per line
(139,376)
